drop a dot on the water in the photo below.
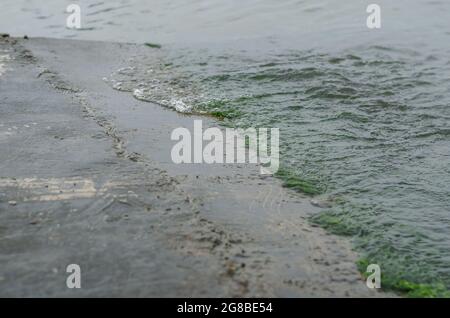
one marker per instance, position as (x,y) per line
(364,114)
(3,58)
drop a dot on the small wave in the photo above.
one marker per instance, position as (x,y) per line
(174,103)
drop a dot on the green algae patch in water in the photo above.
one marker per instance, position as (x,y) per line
(397,273)
(219,109)
(153,45)
(403,286)
(292,181)
(335,224)
(422,290)
(222,114)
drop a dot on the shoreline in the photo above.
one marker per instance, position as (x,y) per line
(161,229)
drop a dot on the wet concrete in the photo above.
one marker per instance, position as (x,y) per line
(86,178)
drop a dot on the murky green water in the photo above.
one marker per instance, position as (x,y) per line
(368,128)
(364,115)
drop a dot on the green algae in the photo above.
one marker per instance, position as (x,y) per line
(219,109)
(403,286)
(223,114)
(394,275)
(335,224)
(153,45)
(292,181)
